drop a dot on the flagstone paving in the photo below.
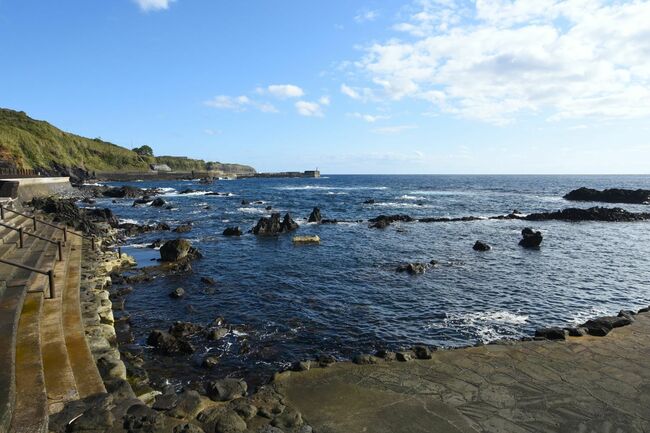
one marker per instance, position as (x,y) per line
(582,385)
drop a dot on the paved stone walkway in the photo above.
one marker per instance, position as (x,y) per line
(583,385)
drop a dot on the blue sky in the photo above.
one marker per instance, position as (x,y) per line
(423,86)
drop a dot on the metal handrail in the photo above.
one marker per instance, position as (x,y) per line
(50,274)
(34,220)
(21,231)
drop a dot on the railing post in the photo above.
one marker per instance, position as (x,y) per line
(65,233)
(50,276)
(58,243)
(34,219)
(119,252)
(20,237)
(93,243)
(2,212)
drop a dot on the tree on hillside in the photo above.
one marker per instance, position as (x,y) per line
(143,150)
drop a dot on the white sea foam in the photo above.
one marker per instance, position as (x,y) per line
(487,326)
(178,194)
(93,184)
(128,221)
(138,245)
(391,204)
(320,187)
(250,210)
(411,197)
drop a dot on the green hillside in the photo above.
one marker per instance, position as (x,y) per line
(34,144)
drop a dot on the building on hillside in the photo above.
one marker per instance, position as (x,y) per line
(160,167)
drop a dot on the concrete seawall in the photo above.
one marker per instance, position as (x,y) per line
(28,188)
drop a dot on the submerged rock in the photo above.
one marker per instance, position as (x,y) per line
(530,238)
(612,195)
(183,228)
(232,231)
(416,268)
(272,225)
(177,293)
(481,246)
(315,216)
(158,202)
(383,221)
(166,343)
(314,239)
(592,214)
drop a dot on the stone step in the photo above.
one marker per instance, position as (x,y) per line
(59,379)
(30,412)
(11,304)
(87,378)
(9,237)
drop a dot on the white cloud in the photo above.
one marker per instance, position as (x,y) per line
(153,5)
(310,109)
(239,103)
(324,100)
(366,15)
(393,129)
(370,118)
(497,59)
(349,91)
(284,91)
(209,131)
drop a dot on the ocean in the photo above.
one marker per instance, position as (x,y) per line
(286,302)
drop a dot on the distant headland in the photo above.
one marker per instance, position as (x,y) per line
(37,147)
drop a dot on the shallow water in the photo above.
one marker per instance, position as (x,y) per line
(343,297)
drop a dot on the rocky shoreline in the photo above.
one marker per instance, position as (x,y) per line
(222,406)
(133,403)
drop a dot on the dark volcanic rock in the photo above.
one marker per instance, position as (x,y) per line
(613,195)
(273,226)
(67,212)
(364,359)
(415,268)
(177,293)
(481,246)
(315,216)
(591,214)
(232,231)
(422,352)
(530,238)
(174,250)
(383,221)
(551,333)
(158,202)
(369,201)
(183,228)
(601,326)
(226,389)
(124,192)
(166,343)
(184,329)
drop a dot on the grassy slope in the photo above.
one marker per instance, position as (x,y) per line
(29,143)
